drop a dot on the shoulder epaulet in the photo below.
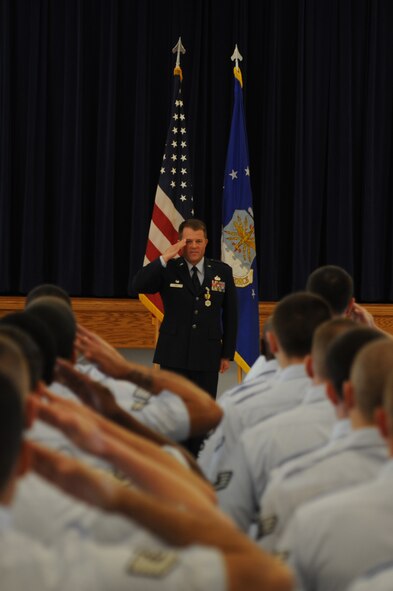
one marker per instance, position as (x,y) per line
(217,261)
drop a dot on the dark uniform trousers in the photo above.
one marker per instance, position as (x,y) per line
(200,323)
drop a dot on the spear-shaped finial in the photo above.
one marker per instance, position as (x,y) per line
(179,48)
(236,57)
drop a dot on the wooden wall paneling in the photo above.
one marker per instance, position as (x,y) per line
(126,323)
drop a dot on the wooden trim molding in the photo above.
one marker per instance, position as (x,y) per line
(126,323)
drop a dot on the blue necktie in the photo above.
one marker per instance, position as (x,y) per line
(195,279)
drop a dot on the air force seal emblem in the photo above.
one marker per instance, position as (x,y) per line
(238,246)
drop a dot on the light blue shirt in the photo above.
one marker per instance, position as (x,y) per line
(200,269)
(75,563)
(44,434)
(210,454)
(269,443)
(261,367)
(256,402)
(45,513)
(337,538)
(165,413)
(352,460)
(378,579)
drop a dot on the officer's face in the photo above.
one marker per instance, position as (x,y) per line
(195,246)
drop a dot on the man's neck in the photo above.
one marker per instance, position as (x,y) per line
(358,421)
(285,361)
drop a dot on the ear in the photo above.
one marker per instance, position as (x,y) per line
(332,394)
(348,310)
(309,366)
(349,394)
(272,340)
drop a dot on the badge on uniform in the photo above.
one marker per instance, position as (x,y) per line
(267,525)
(218,285)
(152,563)
(176,284)
(138,405)
(223,479)
(207,297)
(141,399)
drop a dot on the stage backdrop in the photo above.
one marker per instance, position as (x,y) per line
(85,95)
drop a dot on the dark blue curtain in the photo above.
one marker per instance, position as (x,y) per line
(85,90)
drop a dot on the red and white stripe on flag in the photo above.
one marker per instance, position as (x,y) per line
(174,200)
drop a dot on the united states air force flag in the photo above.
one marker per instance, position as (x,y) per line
(238,234)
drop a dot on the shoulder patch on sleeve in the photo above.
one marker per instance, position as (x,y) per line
(138,405)
(152,563)
(283,556)
(223,479)
(141,399)
(267,525)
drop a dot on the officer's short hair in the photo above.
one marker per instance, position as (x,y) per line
(60,320)
(334,284)
(323,337)
(342,352)
(41,335)
(47,289)
(194,224)
(369,375)
(11,427)
(295,319)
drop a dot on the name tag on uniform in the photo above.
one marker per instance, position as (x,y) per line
(175,285)
(218,285)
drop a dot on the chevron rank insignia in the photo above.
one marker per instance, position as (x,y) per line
(223,479)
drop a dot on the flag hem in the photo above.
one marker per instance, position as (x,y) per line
(241,362)
(151,307)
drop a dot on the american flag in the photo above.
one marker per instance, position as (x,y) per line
(174,200)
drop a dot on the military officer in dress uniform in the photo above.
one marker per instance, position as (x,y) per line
(198,334)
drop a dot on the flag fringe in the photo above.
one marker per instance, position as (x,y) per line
(151,307)
(241,362)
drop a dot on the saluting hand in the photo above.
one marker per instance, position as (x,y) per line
(174,250)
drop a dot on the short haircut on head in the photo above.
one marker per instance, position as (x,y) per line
(60,320)
(29,348)
(295,319)
(13,364)
(41,335)
(47,289)
(11,427)
(334,284)
(323,337)
(194,224)
(342,352)
(369,374)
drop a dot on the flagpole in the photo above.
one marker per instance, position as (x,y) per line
(238,245)
(173,201)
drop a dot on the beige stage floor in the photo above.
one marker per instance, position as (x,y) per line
(145,356)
